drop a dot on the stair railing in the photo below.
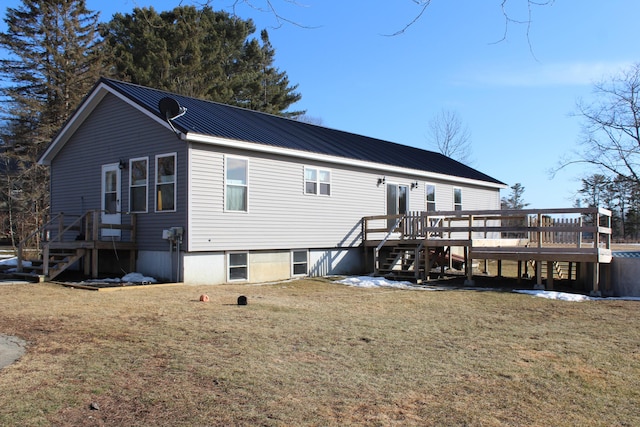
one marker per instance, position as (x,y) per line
(58,238)
(46,240)
(41,231)
(376,251)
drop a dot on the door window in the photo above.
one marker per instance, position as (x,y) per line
(397,201)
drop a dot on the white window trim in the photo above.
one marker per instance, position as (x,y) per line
(461,197)
(229,266)
(318,182)
(435,195)
(226,158)
(175,182)
(146,206)
(306,273)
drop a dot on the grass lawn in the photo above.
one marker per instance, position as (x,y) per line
(311,352)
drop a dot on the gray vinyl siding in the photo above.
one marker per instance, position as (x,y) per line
(281,216)
(473,197)
(113,132)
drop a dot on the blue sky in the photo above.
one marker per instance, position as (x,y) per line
(516,96)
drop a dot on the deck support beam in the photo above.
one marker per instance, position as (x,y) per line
(539,285)
(595,290)
(468,263)
(549,275)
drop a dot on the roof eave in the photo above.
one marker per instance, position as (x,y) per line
(308,155)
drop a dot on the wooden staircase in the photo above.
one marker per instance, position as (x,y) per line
(67,239)
(405,260)
(57,262)
(402,262)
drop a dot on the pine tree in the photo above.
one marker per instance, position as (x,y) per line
(200,53)
(515,199)
(54,59)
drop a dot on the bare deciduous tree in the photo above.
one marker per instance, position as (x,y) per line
(273,7)
(449,136)
(611,128)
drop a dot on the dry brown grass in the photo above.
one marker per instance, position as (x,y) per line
(315,353)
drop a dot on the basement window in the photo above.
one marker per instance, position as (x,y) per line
(299,263)
(238,264)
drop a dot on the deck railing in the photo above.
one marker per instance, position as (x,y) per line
(82,230)
(572,226)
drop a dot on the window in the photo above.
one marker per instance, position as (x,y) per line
(166,182)
(237,184)
(317,181)
(238,266)
(457,199)
(431,197)
(299,263)
(138,182)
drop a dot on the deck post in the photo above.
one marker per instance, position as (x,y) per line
(95,238)
(427,263)
(519,279)
(549,275)
(87,263)
(45,260)
(468,262)
(539,285)
(595,291)
(569,273)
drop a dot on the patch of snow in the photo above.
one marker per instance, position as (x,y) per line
(376,282)
(128,278)
(138,278)
(561,296)
(13,262)
(380,282)
(565,296)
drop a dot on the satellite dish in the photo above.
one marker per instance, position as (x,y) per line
(170,108)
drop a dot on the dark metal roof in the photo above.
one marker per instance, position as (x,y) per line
(225,121)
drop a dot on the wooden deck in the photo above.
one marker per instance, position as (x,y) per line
(574,235)
(67,239)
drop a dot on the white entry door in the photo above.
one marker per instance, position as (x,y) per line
(111,206)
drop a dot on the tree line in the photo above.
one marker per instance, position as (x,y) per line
(57,50)
(618,194)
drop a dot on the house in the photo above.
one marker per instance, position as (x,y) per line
(224,194)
